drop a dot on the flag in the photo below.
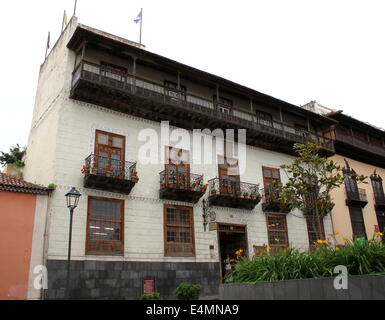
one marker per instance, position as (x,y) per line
(49,40)
(65,18)
(139,17)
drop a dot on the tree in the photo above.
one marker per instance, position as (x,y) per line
(311,180)
(14,156)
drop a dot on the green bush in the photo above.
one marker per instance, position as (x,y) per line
(150,296)
(359,257)
(188,291)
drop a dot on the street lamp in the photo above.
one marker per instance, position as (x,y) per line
(72,202)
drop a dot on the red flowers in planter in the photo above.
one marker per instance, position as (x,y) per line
(89,169)
(134,177)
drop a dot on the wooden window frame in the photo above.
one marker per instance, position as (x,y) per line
(309,233)
(110,138)
(362,221)
(286,231)
(192,227)
(122,228)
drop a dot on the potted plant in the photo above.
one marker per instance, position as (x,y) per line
(109,171)
(204,187)
(134,177)
(238,193)
(213,192)
(246,195)
(86,169)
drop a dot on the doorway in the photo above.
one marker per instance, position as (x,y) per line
(231,238)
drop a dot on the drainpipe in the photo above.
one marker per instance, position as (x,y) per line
(46,240)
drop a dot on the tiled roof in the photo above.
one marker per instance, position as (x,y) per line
(8,183)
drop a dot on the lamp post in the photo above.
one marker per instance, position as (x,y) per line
(72,202)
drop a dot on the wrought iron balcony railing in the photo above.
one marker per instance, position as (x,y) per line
(356,198)
(109,174)
(142,88)
(234,194)
(271,200)
(182,186)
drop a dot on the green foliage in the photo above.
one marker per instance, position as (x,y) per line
(52,186)
(14,156)
(188,291)
(359,257)
(311,178)
(150,296)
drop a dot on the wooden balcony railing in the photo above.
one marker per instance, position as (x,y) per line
(109,174)
(133,85)
(226,193)
(181,186)
(356,198)
(367,146)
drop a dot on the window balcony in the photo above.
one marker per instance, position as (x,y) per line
(109,174)
(123,92)
(356,198)
(187,187)
(271,200)
(241,195)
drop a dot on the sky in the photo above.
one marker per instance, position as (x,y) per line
(298,50)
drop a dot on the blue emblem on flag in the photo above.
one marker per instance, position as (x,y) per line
(139,17)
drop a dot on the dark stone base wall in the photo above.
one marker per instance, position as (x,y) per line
(367,287)
(109,280)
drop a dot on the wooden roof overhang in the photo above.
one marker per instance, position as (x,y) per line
(128,49)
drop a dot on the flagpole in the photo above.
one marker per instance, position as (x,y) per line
(76,2)
(62,25)
(141,22)
(48,43)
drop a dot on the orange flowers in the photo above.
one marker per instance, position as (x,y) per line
(322,242)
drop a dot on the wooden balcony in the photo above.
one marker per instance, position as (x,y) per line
(239,195)
(109,175)
(357,149)
(271,201)
(356,199)
(125,93)
(178,186)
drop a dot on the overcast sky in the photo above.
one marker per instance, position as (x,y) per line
(297,51)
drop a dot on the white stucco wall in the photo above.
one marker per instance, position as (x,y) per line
(63,135)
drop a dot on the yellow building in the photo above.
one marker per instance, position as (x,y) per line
(360,147)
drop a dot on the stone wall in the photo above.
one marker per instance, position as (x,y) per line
(118,280)
(359,288)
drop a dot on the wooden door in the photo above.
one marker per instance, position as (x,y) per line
(110,154)
(228,170)
(177,168)
(270,175)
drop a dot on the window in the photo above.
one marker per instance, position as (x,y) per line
(179,231)
(277,232)
(358,224)
(174,92)
(229,179)
(300,130)
(105,227)
(223,104)
(315,229)
(264,118)
(113,71)
(270,175)
(110,153)
(177,173)
(377,188)
(381,222)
